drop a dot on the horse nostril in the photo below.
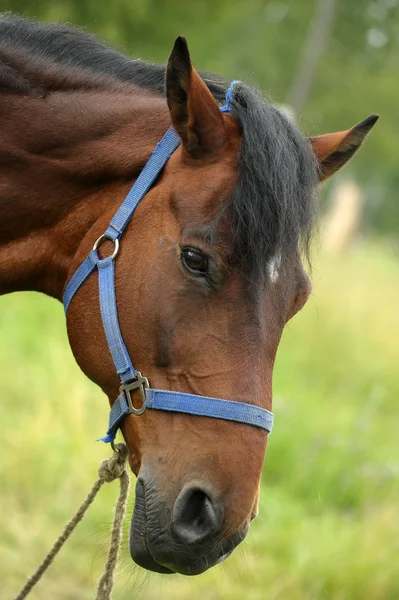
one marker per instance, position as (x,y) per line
(195,517)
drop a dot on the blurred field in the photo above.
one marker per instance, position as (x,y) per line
(329,519)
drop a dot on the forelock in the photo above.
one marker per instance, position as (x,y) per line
(272,209)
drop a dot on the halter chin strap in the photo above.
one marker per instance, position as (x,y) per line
(130,378)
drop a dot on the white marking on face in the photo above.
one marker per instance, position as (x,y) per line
(273,268)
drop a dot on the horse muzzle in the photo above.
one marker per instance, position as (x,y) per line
(186,538)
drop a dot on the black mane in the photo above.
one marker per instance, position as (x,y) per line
(271,211)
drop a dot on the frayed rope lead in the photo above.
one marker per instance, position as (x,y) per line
(110,469)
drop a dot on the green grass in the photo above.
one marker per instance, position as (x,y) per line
(329,518)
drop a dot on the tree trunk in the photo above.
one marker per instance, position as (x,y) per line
(316,39)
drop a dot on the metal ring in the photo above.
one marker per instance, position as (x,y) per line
(104,237)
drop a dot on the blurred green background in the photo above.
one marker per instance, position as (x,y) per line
(329,518)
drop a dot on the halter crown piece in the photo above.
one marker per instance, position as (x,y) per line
(130,378)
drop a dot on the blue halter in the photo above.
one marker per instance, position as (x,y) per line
(130,378)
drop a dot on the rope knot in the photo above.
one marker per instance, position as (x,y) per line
(112,468)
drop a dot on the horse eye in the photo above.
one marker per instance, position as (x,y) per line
(194,261)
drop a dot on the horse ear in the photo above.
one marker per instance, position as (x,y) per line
(195,114)
(333,150)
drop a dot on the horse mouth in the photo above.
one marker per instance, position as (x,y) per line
(156,550)
(138,544)
(142,556)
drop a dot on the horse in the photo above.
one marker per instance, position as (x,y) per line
(210,269)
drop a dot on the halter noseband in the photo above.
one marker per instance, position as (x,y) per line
(131,379)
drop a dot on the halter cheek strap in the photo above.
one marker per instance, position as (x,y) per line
(131,379)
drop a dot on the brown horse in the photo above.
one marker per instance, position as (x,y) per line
(209,269)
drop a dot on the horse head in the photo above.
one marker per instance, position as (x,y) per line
(209,269)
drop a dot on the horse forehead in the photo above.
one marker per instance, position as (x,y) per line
(200,186)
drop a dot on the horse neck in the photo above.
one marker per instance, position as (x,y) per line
(63,160)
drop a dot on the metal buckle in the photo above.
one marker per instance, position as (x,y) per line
(139,383)
(104,237)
